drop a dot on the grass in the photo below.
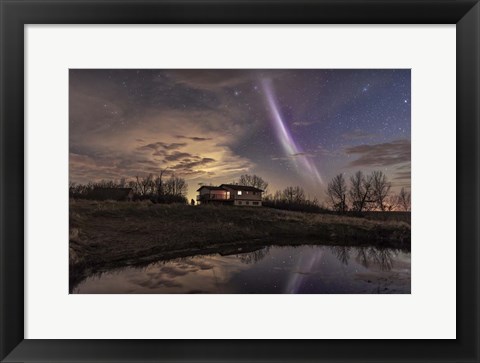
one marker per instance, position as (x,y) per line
(105,235)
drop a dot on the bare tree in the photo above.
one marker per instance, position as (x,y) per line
(133,184)
(299,195)
(253,181)
(360,192)
(380,189)
(392,202)
(144,185)
(336,191)
(106,184)
(404,200)
(176,186)
(278,196)
(294,195)
(159,184)
(288,194)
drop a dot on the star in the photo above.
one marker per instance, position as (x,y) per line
(271,112)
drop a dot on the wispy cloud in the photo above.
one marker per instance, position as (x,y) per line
(302,154)
(207,79)
(157,145)
(302,123)
(178,156)
(358,135)
(124,154)
(402,175)
(194,138)
(380,155)
(293,156)
(115,134)
(405,175)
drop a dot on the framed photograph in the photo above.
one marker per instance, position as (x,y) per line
(240,181)
(207,178)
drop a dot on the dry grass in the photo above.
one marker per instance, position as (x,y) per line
(110,234)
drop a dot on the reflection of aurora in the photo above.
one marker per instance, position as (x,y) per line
(366,256)
(302,161)
(306,264)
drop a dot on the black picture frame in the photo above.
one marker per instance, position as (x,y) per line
(15,14)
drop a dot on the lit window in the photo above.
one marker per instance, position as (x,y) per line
(239,192)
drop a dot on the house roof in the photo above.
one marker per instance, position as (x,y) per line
(211,187)
(241,187)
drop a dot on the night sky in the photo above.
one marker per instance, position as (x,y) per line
(291,127)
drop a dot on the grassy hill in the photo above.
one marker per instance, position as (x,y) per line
(105,235)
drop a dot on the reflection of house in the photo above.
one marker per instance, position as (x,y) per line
(119,194)
(230,194)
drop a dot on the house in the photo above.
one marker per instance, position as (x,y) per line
(232,194)
(118,194)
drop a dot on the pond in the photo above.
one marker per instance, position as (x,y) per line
(306,269)
(302,269)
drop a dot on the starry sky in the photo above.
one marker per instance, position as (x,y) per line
(289,126)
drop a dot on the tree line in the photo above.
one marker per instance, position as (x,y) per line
(156,188)
(293,198)
(360,194)
(364,193)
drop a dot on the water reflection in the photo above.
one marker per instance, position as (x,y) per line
(254,256)
(367,256)
(271,269)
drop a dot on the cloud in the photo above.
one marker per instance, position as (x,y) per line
(386,154)
(323,151)
(177,155)
(302,154)
(293,156)
(405,175)
(407,166)
(283,158)
(208,79)
(157,145)
(152,144)
(402,174)
(302,123)
(358,135)
(188,166)
(194,138)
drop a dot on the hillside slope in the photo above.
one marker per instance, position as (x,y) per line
(105,235)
